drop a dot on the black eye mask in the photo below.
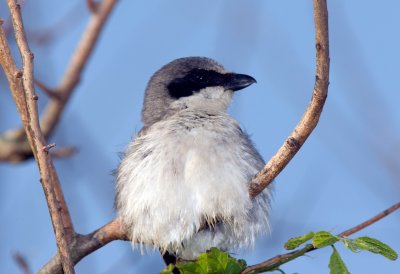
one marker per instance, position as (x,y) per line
(194,81)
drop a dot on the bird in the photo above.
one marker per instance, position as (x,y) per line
(182,182)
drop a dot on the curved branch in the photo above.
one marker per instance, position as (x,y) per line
(311,116)
(14,149)
(284,258)
(86,244)
(285,153)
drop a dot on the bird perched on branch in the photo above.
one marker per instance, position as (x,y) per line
(182,184)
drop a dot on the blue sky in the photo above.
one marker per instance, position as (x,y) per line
(347,171)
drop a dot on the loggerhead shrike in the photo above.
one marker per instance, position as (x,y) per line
(182,184)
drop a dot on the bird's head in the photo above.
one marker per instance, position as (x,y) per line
(191,82)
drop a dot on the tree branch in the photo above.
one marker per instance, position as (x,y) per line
(92,5)
(369,222)
(311,116)
(115,231)
(17,150)
(284,258)
(86,244)
(26,97)
(22,263)
(63,152)
(290,147)
(49,92)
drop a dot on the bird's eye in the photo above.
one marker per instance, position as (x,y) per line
(199,76)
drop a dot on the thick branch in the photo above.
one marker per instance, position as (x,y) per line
(311,116)
(86,244)
(29,115)
(14,150)
(276,261)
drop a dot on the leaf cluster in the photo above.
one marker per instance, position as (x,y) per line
(336,265)
(216,261)
(212,262)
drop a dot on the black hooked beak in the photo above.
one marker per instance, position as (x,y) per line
(234,81)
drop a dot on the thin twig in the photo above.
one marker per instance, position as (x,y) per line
(22,263)
(77,64)
(71,78)
(67,22)
(47,148)
(63,152)
(284,258)
(48,91)
(311,116)
(370,221)
(11,152)
(37,141)
(92,5)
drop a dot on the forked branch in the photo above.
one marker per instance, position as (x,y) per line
(86,244)
(22,89)
(16,145)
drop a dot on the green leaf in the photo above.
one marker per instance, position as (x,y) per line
(191,268)
(323,238)
(213,262)
(297,241)
(375,246)
(350,244)
(242,263)
(168,270)
(336,264)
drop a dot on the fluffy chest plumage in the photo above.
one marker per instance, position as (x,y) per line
(196,150)
(183,171)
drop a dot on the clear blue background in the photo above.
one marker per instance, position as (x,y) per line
(347,171)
